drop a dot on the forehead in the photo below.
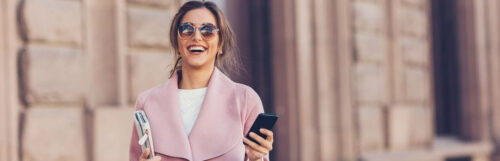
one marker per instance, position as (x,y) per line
(199,16)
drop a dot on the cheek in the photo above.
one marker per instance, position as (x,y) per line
(181,45)
(214,45)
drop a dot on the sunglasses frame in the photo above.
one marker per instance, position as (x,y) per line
(214,30)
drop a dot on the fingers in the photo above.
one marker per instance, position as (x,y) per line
(255,150)
(145,154)
(252,153)
(269,133)
(265,143)
(255,146)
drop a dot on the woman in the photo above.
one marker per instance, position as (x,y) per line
(199,113)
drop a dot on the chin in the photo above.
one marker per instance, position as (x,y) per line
(198,61)
(196,64)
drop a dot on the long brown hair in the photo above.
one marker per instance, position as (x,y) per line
(229,61)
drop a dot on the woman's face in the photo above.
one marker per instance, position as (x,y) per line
(198,51)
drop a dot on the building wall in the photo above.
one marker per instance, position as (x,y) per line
(392,72)
(351,79)
(312,57)
(494,57)
(80,66)
(9,106)
(382,108)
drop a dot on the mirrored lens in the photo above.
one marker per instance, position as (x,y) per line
(186,30)
(207,31)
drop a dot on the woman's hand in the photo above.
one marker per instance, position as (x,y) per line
(256,152)
(145,154)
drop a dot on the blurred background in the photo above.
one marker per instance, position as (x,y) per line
(352,80)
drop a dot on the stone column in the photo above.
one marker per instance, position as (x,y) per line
(9,102)
(494,72)
(472,53)
(287,129)
(312,59)
(4,137)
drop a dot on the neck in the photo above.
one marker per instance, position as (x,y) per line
(195,78)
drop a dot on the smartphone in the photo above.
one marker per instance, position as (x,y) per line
(144,132)
(264,120)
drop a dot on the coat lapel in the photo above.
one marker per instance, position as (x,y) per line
(218,127)
(163,112)
(216,131)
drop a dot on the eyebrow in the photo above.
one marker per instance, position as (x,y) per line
(205,23)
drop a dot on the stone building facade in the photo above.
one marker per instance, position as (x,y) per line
(370,80)
(74,69)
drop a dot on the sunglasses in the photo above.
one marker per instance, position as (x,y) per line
(208,31)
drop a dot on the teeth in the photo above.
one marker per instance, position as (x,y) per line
(196,49)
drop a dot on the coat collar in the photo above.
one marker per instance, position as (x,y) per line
(217,129)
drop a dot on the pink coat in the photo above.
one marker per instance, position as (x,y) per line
(227,113)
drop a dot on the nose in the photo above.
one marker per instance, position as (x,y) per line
(196,35)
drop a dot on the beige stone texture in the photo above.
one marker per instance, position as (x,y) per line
(416,3)
(53,75)
(371,129)
(147,70)
(371,83)
(112,133)
(369,16)
(421,132)
(101,52)
(481,158)
(148,27)
(415,51)
(410,155)
(54,134)
(55,21)
(370,47)
(399,126)
(410,127)
(417,84)
(156,3)
(4,95)
(413,22)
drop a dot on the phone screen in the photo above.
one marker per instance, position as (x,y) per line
(265,121)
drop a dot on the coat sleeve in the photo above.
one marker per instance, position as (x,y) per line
(255,107)
(135,148)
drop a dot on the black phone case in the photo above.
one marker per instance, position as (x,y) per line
(265,121)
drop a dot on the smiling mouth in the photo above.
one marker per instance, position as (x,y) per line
(196,49)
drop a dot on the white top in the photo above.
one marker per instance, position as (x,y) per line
(190,101)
